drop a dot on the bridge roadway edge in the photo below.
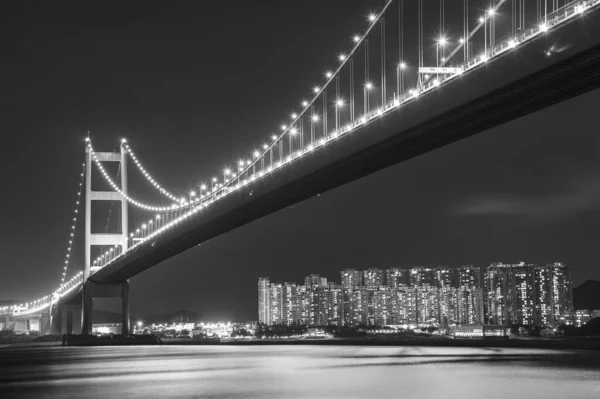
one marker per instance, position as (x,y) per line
(523,83)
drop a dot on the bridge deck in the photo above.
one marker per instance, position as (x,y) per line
(506,88)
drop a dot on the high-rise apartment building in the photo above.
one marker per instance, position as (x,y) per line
(496,293)
(526,294)
(427,304)
(264,294)
(446,277)
(469,276)
(291,304)
(470,305)
(554,296)
(315,280)
(330,305)
(382,306)
(397,277)
(276,304)
(373,278)
(422,275)
(520,290)
(358,312)
(404,305)
(350,278)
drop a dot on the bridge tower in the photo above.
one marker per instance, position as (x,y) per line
(91,289)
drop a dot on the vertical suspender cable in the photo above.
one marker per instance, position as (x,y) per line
(351,90)
(383,83)
(512,13)
(302,132)
(466,27)
(366,94)
(400,47)
(312,124)
(337,104)
(420,35)
(324,113)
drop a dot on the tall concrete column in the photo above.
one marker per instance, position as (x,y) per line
(86,310)
(125,328)
(124,213)
(88,213)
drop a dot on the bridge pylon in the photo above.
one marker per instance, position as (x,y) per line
(91,290)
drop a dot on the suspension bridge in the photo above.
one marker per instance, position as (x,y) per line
(420,75)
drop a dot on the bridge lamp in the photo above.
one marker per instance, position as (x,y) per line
(202,187)
(256,154)
(543,27)
(214,179)
(293,131)
(294,115)
(512,43)
(283,127)
(342,57)
(314,118)
(248,163)
(442,41)
(356,39)
(316,89)
(305,103)
(328,74)
(339,103)
(372,17)
(241,163)
(273,137)
(491,12)
(265,146)
(481,19)
(227,172)
(402,65)
(192,193)
(461,40)
(368,85)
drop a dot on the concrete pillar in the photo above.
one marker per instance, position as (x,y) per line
(86,310)
(88,213)
(124,213)
(55,320)
(70,319)
(125,328)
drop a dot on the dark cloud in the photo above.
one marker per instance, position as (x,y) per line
(576,196)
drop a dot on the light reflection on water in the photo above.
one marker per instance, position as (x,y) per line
(298,372)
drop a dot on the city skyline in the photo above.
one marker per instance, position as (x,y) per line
(500,293)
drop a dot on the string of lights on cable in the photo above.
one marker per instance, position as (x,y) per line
(147,175)
(147,207)
(73,225)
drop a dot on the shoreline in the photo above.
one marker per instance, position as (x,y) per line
(532,343)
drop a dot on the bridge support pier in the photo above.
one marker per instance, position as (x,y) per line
(93,290)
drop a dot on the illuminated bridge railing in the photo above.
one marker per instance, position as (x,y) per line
(41,304)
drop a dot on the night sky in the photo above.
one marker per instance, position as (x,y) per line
(192,86)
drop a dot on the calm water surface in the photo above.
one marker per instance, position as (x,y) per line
(297,372)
